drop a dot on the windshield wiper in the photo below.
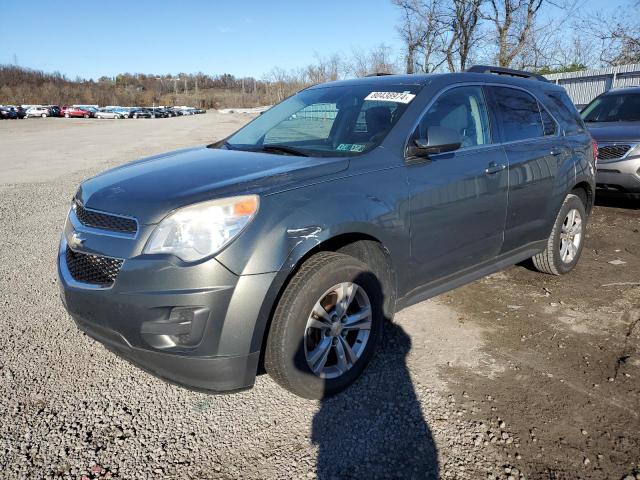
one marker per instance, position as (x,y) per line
(282,149)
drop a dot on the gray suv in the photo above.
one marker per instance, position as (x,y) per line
(288,244)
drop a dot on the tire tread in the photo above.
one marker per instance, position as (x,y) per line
(274,354)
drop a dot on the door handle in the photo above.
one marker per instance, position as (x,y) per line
(556,153)
(494,168)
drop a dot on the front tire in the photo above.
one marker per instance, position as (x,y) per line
(566,241)
(325,327)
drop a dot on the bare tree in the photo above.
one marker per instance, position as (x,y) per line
(462,21)
(424,33)
(437,32)
(366,62)
(513,21)
(616,32)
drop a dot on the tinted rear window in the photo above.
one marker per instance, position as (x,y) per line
(519,115)
(566,112)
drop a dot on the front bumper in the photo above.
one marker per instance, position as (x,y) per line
(214,348)
(621,175)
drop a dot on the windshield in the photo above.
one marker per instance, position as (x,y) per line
(327,121)
(613,108)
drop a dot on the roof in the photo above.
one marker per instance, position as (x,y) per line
(440,78)
(615,91)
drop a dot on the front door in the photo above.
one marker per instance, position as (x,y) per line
(458,200)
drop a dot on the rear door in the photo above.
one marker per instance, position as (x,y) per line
(458,200)
(535,150)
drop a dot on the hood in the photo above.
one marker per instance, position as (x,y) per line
(615,131)
(151,187)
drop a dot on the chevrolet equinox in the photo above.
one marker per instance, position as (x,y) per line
(286,246)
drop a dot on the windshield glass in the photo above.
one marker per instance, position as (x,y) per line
(613,108)
(327,121)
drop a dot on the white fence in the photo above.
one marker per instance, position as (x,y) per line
(586,85)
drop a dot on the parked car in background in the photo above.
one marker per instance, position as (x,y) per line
(76,112)
(293,239)
(140,113)
(8,113)
(37,112)
(20,112)
(156,112)
(613,119)
(54,110)
(125,112)
(108,113)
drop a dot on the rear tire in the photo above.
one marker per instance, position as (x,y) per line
(66,115)
(566,241)
(298,335)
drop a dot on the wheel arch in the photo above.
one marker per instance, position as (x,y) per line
(586,194)
(363,246)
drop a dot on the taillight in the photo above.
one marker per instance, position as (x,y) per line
(594,147)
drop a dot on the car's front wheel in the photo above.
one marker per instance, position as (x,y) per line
(566,241)
(325,327)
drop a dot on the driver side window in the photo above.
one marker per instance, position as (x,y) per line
(462,109)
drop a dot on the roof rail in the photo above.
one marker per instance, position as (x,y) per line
(378,74)
(506,71)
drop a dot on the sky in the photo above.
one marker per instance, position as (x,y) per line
(91,38)
(244,38)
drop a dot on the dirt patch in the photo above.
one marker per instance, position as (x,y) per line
(569,348)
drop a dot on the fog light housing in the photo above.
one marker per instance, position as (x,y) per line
(184,328)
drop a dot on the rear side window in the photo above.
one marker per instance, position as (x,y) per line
(462,109)
(566,112)
(518,113)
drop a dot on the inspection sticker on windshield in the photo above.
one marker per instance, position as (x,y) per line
(398,97)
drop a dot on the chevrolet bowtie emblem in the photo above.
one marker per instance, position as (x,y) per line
(76,240)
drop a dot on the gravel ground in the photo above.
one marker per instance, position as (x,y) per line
(518,375)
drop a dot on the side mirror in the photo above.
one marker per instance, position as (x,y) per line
(439,140)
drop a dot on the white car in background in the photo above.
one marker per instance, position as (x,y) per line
(37,112)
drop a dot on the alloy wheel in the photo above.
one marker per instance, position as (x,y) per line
(337,330)
(570,236)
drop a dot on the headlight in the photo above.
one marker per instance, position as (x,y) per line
(198,231)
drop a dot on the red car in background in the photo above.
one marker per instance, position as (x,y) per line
(69,112)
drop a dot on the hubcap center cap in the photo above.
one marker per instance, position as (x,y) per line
(336,329)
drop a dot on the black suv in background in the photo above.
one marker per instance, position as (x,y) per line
(292,240)
(613,119)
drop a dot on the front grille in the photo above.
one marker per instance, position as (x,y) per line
(104,221)
(93,269)
(612,152)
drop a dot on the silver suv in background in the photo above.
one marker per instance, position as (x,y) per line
(613,119)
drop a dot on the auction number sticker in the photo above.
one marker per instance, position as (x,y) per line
(398,97)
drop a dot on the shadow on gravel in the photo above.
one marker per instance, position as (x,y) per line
(375,429)
(617,200)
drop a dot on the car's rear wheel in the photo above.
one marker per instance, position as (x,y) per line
(44,115)
(66,115)
(86,115)
(325,327)
(566,241)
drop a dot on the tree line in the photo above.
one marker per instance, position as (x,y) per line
(545,36)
